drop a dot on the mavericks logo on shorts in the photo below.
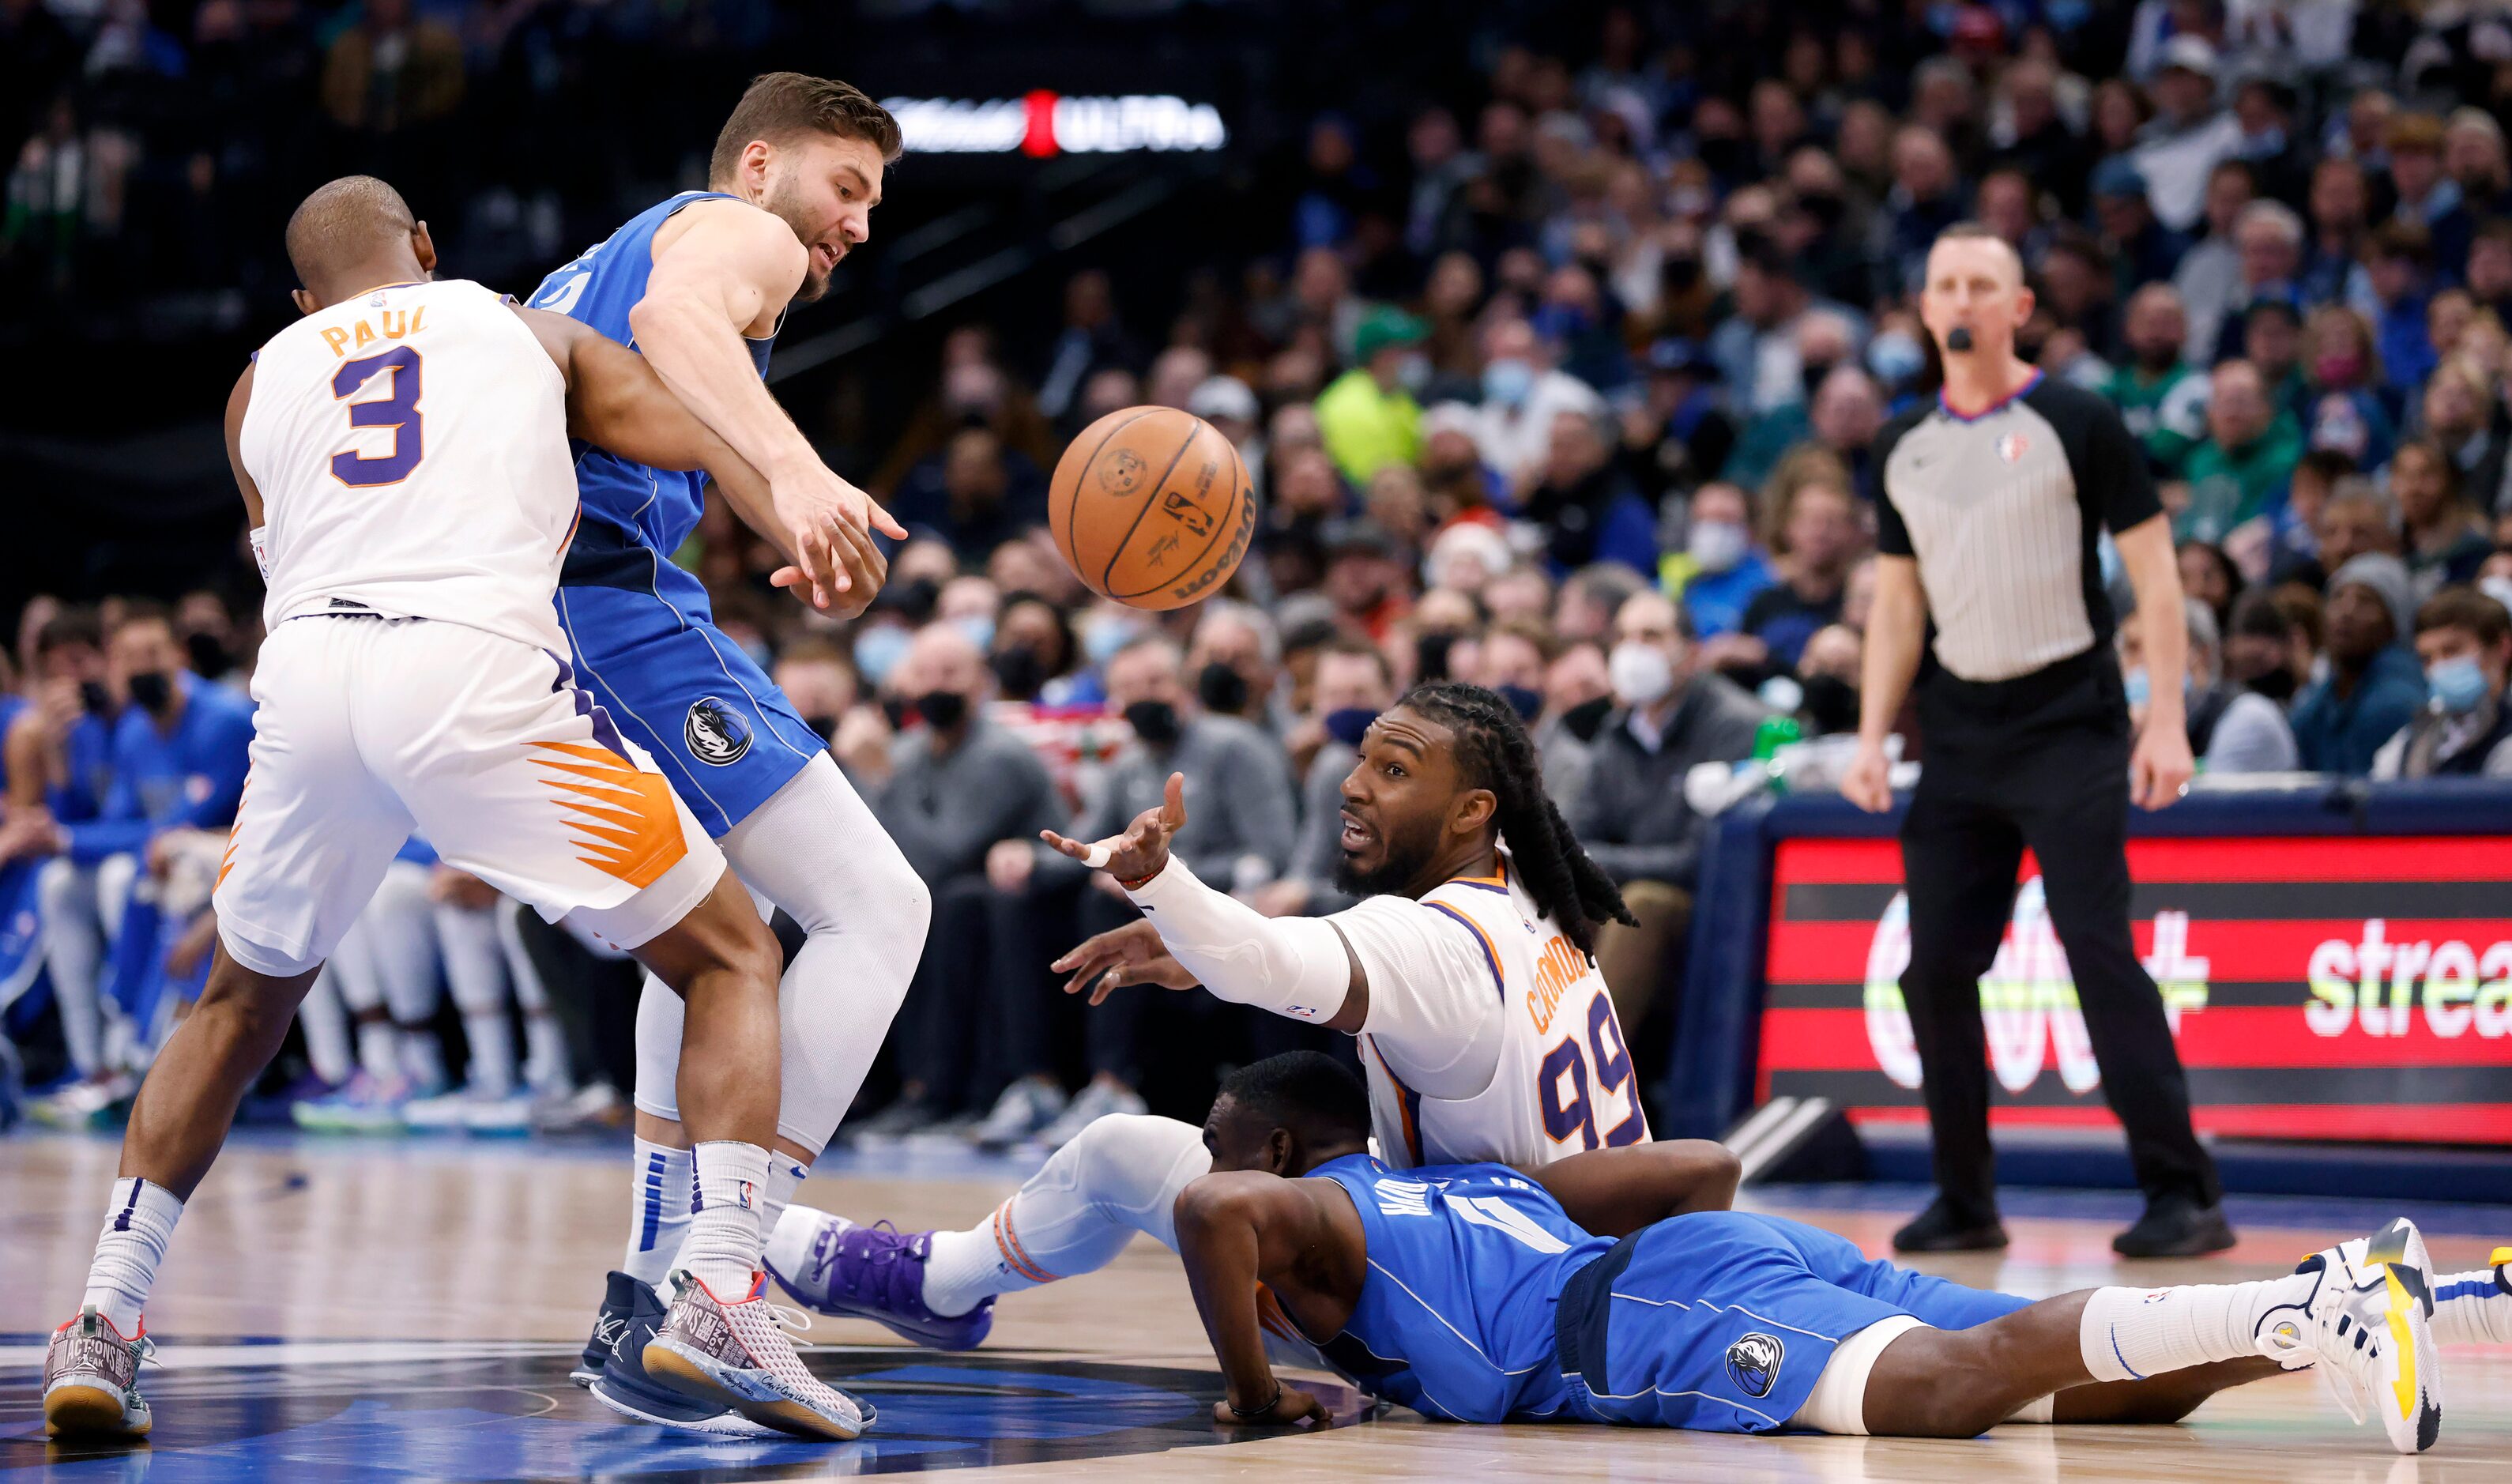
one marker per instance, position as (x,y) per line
(714,734)
(1753,1363)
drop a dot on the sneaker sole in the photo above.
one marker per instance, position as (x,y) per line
(752,1394)
(2416,1400)
(722,1424)
(74,1409)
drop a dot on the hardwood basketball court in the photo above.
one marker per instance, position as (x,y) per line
(403,1309)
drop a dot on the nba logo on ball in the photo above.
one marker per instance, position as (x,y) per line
(1753,1363)
(2011,447)
(713,734)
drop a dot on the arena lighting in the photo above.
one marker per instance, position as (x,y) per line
(1044,123)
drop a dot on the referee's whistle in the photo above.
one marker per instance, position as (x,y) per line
(1958,338)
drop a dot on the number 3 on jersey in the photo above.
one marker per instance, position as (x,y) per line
(398,410)
(1563,1085)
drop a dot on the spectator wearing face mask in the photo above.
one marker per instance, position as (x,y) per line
(2464,640)
(174,764)
(2374,685)
(1523,397)
(1352,685)
(1828,676)
(1241,821)
(2266,652)
(1237,660)
(1042,699)
(1367,415)
(1578,697)
(2343,412)
(1631,814)
(2232,730)
(1721,566)
(818,677)
(964,799)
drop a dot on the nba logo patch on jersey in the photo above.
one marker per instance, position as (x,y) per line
(1753,1363)
(2013,446)
(714,733)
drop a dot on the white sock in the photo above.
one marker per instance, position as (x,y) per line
(2474,1307)
(137,1226)
(378,1049)
(492,1073)
(725,1240)
(785,1176)
(327,1034)
(658,1211)
(422,1058)
(2129,1334)
(1120,1176)
(545,1054)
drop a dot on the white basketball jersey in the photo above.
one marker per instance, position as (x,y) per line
(1565,1082)
(411,450)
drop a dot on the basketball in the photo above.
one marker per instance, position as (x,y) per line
(1151,507)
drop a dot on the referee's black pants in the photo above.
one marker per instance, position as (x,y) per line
(2038,760)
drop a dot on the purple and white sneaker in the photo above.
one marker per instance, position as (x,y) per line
(871,1272)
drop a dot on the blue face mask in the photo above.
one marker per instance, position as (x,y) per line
(1507,382)
(2458,686)
(879,650)
(980,629)
(1103,640)
(1895,358)
(1526,701)
(1347,724)
(2140,690)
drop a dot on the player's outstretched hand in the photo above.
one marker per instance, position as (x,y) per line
(1295,1408)
(813,504)
(1143,850)
(861,567)
(1129,955)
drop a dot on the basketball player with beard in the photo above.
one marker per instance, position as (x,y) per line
(1466,975)
(699,284)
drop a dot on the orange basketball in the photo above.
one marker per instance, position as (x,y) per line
(1152,507)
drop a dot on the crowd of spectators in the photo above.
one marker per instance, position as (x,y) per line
(1569,388)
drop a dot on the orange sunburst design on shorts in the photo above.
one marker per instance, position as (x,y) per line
(226,862)
(635,830)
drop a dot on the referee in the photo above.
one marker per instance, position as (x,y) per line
(1993,498)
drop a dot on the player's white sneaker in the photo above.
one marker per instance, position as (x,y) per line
(2370,1331)
(92,1380)
(738,1355)
(447,1111)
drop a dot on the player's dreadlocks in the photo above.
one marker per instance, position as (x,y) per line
(1495,752)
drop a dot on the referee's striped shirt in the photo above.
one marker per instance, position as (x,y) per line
(2002,508)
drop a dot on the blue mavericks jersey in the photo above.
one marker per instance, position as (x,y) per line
(642,506)
(1465,1265)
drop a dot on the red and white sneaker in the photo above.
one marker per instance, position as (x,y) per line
(92,1380)
(738,1355)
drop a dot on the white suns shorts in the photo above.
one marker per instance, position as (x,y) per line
(368,728)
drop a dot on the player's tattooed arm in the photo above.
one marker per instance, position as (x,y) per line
(1616,1192)
(1240,1230)
(237,401)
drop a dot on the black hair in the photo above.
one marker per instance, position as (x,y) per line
(69,627)
(1495,752)
(1308,1092)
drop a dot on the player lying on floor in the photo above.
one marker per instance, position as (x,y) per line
(1466,1293)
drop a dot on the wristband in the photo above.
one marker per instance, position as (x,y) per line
(1251,1414)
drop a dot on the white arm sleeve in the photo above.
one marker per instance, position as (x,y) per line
(1435,997)
(1292,966)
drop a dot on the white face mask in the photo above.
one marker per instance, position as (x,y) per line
(1641,674)
(2497,588)
(1718,545)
